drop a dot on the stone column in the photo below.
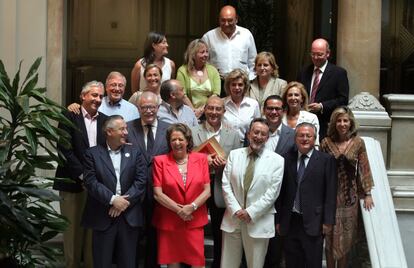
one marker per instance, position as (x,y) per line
(359,44)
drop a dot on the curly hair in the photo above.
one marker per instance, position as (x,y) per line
(185,130)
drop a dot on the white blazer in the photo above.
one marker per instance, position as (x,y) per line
(264,190)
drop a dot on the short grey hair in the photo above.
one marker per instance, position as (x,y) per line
(148,95)
(87,87)
(110,122)
(307,124)
(115,74)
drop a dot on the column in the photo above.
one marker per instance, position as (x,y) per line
(359,44)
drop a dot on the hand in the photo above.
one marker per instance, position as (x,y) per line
(243,215)
(120,202)
(74,108)
(199,112)
(368,203)
(278,228)
(186,210)
(114,212)
(215,161)
(326,228)
(315,107)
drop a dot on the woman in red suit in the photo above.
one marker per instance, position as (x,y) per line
(181,188)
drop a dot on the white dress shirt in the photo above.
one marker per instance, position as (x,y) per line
(154,130)
(116,162)
(271,143)
(227,54)
(239,118)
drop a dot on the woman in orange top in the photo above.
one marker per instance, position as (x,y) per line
(181,188)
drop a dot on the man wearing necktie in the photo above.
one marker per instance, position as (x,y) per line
(251,183)
(148,135)
(307,202)
(327,84)
(115,178)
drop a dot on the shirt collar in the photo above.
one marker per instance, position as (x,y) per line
(113,104)
(323,67)
(113,151)
(277,131)
(211,129)
(309,154)
(259,153)
(236,32)
(87,115)
(154,124)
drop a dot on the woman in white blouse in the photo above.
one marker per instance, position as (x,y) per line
(240,110)
(295,99)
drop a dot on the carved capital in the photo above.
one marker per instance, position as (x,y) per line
(364,101)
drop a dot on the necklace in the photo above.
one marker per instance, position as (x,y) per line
(200,73)
(182,162)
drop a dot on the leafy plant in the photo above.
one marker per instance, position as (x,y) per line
(28,140)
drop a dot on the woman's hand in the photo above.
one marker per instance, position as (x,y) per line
(368,202)
(186,212)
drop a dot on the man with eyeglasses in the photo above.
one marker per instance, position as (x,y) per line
(307,202)
(113,103)
(228,140)
(148,134)
(327,84)
(172,109)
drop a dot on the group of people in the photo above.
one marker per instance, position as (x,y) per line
(289,174)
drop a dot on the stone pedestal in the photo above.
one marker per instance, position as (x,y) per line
(359,44)
(372,119)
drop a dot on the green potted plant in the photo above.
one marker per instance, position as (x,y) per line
(28,138)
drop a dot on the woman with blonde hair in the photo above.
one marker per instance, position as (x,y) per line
(199,78)
(295,100)
(267,81)
(354,183)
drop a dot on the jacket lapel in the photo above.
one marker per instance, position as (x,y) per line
(311,163)
(106,159)
(174,172)
(80,122)
(325,77)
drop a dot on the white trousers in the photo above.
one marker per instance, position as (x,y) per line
(255,249)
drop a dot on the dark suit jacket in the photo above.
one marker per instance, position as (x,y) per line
(167,176)
(333,91)
(136,136)
(100,181)
(317,191)
(74,163)
(286,141)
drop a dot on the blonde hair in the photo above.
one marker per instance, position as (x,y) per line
(272,61)
(190,53)
(303,92)
(332,131)
(236,74)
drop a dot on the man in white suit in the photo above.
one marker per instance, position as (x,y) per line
(251,183)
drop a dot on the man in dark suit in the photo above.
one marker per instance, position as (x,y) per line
(307,203)
(326,84)
(87,132)
(151,145)
(281,140)
(115,178)
(228,140)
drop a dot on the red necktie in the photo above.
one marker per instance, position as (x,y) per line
(315,85)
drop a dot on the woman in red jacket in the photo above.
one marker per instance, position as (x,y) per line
(181,188)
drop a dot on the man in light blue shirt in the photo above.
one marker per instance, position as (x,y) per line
(172,109)
(113,103)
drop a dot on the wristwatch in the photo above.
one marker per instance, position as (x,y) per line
(195,207)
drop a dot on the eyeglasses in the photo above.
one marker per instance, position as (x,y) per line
(277,109)
(148,108)
(120,85)
(317,55)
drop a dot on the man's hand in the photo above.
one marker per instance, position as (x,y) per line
(315,107)
(326,228)
(113,212)
(243,215)
(74,108)
(215,161)
(121,202)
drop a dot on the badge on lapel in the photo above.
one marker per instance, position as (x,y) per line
(127,154)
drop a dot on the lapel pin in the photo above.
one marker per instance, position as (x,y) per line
(127,154)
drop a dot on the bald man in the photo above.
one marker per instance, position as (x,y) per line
(231,46)
(327,84)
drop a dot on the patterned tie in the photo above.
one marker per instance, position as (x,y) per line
(150,139)
(248,175)
(315,85)
(297,204)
